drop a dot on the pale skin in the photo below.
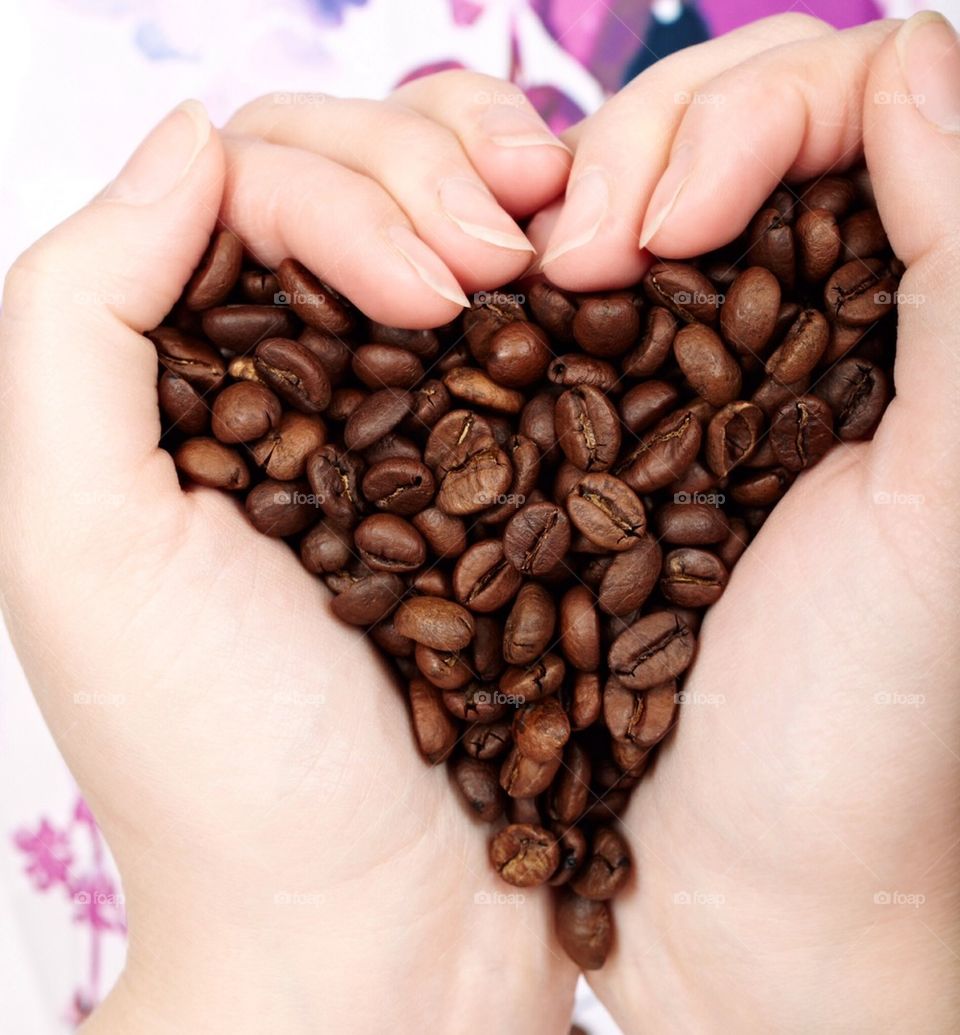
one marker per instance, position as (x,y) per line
(285,855)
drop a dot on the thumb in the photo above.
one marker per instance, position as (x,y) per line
(912,147)
(79,421)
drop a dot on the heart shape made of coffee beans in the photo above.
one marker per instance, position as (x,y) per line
(530,508)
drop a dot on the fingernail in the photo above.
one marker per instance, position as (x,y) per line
(667,191)
(475,210)
(427,265)
(164,158)
(930,63)
(584,208)
(514,127)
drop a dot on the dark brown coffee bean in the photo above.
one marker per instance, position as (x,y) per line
(573,850)
(834,193)
(522,777)
(518,354)
(478,783)
(530,625)
(343,401)
(525,460)
(580,629)
(244,411)
(801,432)
(181,404)
(294,373)
(691,524)
(524,855)
(760,489)
(259,286)
(335,476)
(540,730)
(630,579)
(655,649)
(692,577)
(663,454)
(537,424)
(588,428)
(481,481)
(856,390)
(454,438)
(475,387)
(424,344)
(583,699)
(483,579)
(731,549)
(818,243)
(239,328)
(607,511)
(386,366)
(524,810)
(445,669)
(434,622)
(492,312)
(771,245)
(477,702)
(218,271)
(326,549)
(695,481)
(391,447)
(585,930)
(770,395)
(655,345)
(863,235)
(281,508)
(487,653)
(283,452)
(487,740)
(375,417)
(209,462)
(313,301)
(445,535)
(386,542)
(709,369)
(607,325)
(430,402)
(607,869)
(732,436)
(193,360)
(570,791)
(631,759)
(860,292)
(748,317)
(646,403)
(536,681)
(682,289)
(434,582)
(801,349)
(435,730)
(554,310)
(384,634)
(368,599)
(573,369)
(643,719)
(399,486)
(537,538)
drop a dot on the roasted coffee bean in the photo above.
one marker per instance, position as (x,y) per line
(663,454)
(522,777)
(259,286)
(537,538)
(294,373)
(369,599)
(540,730)
(860,292)
(473,386)
(607,325)
(760,489)
(282,453)
(646,403)
(445,535)
(583,699)
(391,447)
(607,868)
(843,339)
(644,719)
(181,405)
(770,395)
(343,401)
(244,411)
(525,460)
(655,345)
(653,650)
(487,740)
(209,462)
(863,235)
(483,579)
(801,349)
(731,549)
(570,792)
(573,369)
(386,542)
(376,416)
(732,436)
(585,930)
(326,549)
(524,810)
(487,648)
(709,369)
(430,402)
(818,243)
(682,289)
(530,625)
(478,783)
(801,432)
(607,511)
(630,758)
(384,634)
(748,317)
(536,681)
(476,702)
(399,486)
(580,629)
(481,481)
(537,424)
(218,271)
(692,577)
(524,855)
(445,669)
(314,302)
(630,579)
(386,366)
(771,245)
(335,476)
(435,730)
(857,393)
(491,313)
(454,438)
(424,344)
(573,850)
(518,354)
(281,508)
(696,480)
(434,622)
(554,310)
(588,428)
(836,194)
(193,360)
(691,524)
(239,328)
(434,582)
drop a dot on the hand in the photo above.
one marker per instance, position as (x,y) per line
(796,844)
(288,861)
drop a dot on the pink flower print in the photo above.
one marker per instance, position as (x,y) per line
(49,854)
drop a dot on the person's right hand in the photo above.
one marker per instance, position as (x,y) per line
(289,862)
(796,840)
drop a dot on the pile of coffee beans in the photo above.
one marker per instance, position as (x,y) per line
(530,508)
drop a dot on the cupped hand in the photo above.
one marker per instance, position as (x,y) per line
(288,860)
(796,841)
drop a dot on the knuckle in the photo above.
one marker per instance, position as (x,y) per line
(794,24)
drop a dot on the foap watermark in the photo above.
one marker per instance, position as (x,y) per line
(897,498)
(497,298)
(499,499)
(299,98)
(712,899)
(903,299)
(711,499)
(498,697)
(312,899)
(99,898)
(99,698)
(284,497)
(689,697)
(309,298)
(511,100)
(698,298)
(698,98)
(897,698)
(914,899)
(499,898)
(898,97)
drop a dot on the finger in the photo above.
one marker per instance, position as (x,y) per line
(622,151)
(79,425)
(419,164)
(508,143)
(912,145)
(283,201)
(792,112)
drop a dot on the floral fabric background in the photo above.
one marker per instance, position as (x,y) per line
(81,83)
